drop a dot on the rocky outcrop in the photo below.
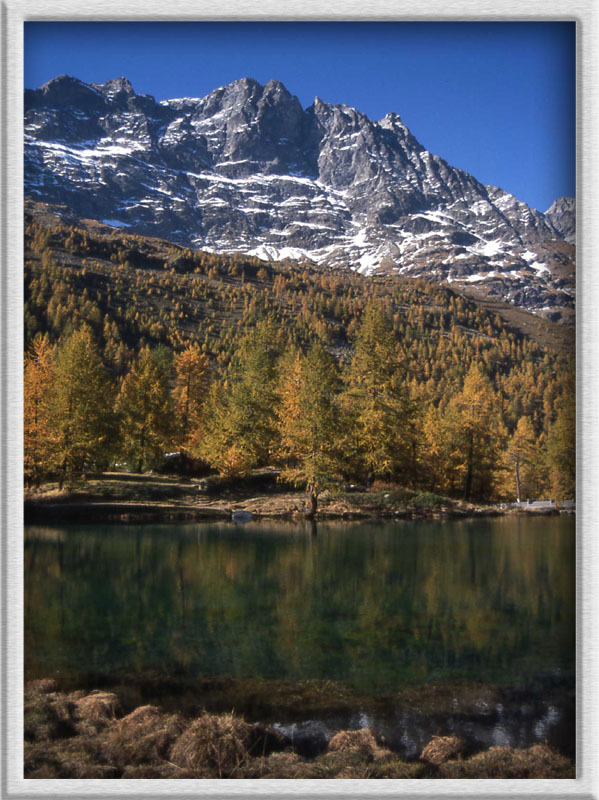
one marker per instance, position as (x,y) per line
(562,214)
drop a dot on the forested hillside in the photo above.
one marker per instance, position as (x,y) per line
(137,347)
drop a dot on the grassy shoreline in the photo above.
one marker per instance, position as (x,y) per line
(105,734)
(124,497)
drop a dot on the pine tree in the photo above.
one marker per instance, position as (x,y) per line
(146,411)
(309,424)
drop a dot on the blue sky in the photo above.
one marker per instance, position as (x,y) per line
(496,99)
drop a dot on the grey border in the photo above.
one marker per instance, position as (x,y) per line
(13,13)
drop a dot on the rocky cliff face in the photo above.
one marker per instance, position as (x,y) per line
(562,215)
(248,169)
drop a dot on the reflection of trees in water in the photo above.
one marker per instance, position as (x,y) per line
(376,604)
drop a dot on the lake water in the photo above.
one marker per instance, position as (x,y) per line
(376,606)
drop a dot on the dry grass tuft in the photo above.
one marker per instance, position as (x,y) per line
(145,735)
(353,754)
(361,740)
(145,719)
(538,761)
(216,743)
(96,710)
(442,748)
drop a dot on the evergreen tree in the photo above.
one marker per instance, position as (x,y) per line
(146,411)
(309,423)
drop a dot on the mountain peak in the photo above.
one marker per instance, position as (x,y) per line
(274,85)
(63,80)
(247,169)
(562,214)
(114,86)
(65,91)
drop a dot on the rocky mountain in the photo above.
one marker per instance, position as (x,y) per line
(248,169)
(562,214)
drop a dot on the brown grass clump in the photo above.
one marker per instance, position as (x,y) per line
(41,686)
(538,761)
(352,754)
(361,740)
(349,740)
(145,735)
(47,717)
(441,749)
(215,743)
(96,710)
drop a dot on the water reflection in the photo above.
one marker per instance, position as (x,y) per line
(376,605)
(408,731)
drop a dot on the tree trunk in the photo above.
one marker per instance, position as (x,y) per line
(517,466)
(142,444)
(468,487)
(313,501)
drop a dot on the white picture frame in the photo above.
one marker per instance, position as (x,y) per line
(14,14)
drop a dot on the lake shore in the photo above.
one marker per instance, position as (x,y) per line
(115,733)
(124,497)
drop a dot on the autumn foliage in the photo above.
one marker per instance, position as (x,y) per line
(138,348)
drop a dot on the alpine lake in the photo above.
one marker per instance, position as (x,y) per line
(410,628)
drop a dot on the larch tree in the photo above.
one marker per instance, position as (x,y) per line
(435,449)
(82,423)
(523,460)
(146,412)
(560,447)
(309,422)
(475,425)
(376,399)
(38,372)
(240,429)
(189,394)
